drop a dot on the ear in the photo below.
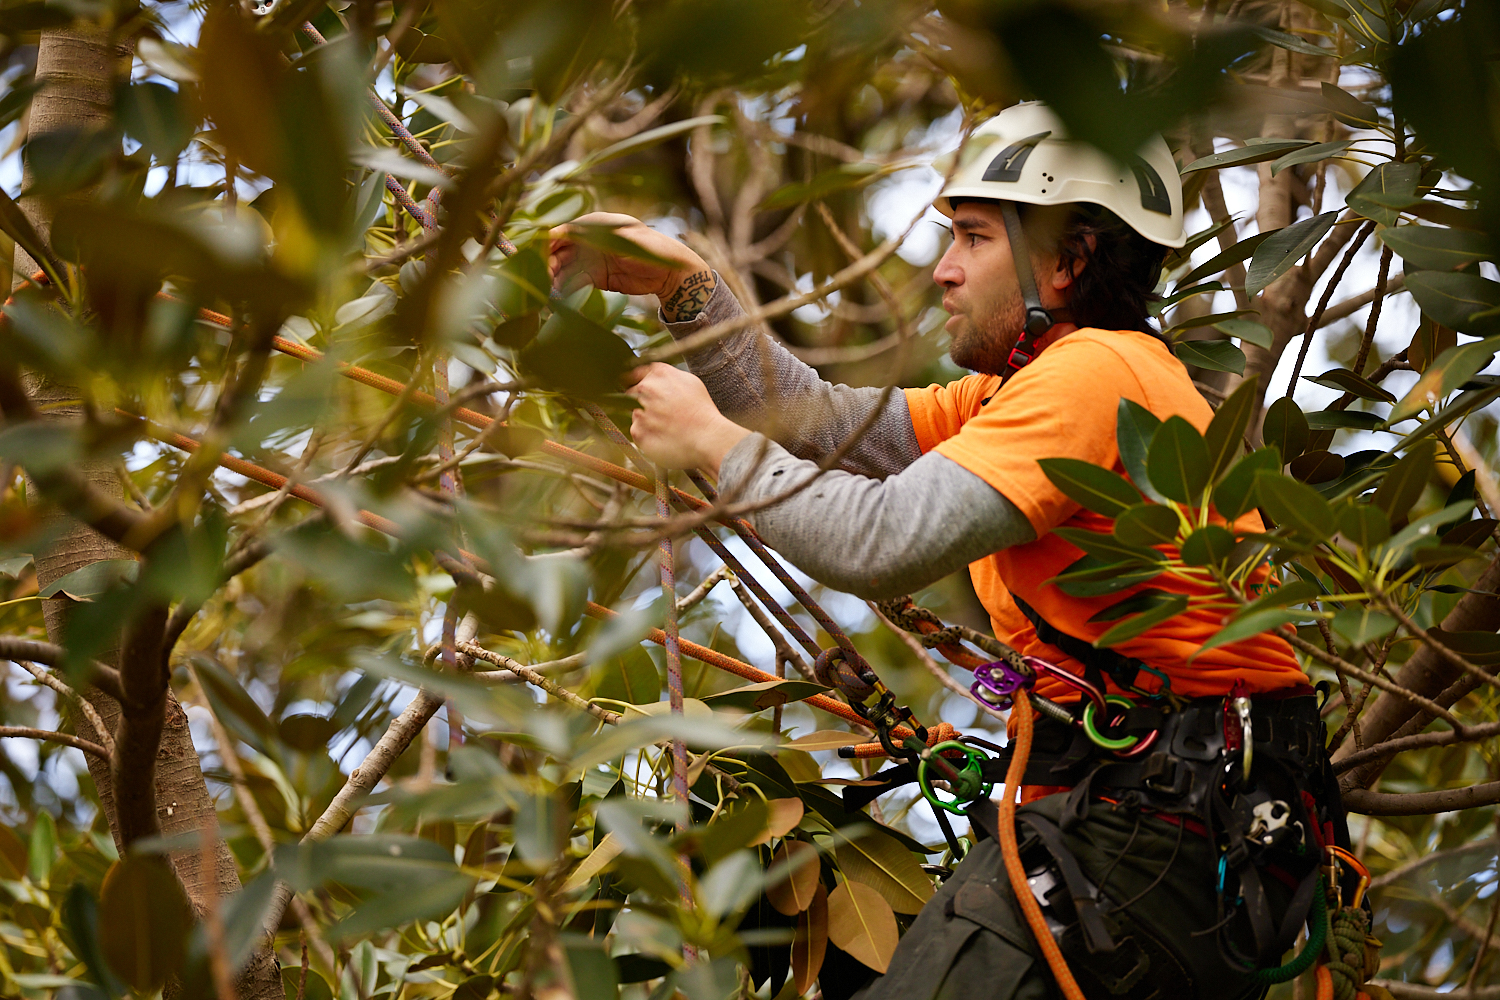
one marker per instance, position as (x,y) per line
(1064,276)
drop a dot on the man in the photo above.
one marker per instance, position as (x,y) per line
(1056,251)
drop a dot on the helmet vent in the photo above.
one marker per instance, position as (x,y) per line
(1008,165)
(1154,197)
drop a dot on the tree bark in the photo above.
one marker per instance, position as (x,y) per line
(78,67)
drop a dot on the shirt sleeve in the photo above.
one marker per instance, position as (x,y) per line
(759,384)
(868,537)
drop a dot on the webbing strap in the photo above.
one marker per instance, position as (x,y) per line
(1122,669)
(1090,921)
(1038,319)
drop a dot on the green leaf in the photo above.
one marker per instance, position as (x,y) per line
(93,579)
(1178,461)
(1292,592)
(1131,627)
(1348,381)
(1288,41)
(1092,486)
(1093,577)
(1248,625)
(1482,648)
(1134,427)
(1147,524)
(1295,506)
(1470,400)
(1194,322)
(1279,254)
(144,918)
(1311,154)
(1438,249)
(629,677)
(1208,546)
(1465,302)
(1226,431)
(153,115)
(840,178)
(1234,495)
(80,913)
(1143,600)
(1323,420)
(1425,530)
(1442,555)
(765,694)
(1403,485)
(1243,250)
(1285,427)
(1316,467)
(1211,355)
(577,355)
(593,971)
(881,863)
(1349,109)
(15,103)
(1108,547)
(1268,149)
(1385,191)
(650,137)
(1176,258)
(1362,625)
(1248,331)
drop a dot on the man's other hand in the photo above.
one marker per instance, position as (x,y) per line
(683,283)
(678,425)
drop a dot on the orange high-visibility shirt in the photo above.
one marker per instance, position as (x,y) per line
(1064,405)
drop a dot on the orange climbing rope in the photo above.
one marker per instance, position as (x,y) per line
(1021,722)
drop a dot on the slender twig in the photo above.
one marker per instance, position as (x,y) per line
(47,735)
(1396,874)
(1339,663)
(784,651)
(698,593)
(1317,317)
(88,710)
(102,676)
(1442,650)
(1417,741)
(531,676)
(1374,320)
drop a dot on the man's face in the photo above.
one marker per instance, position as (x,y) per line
(981,291)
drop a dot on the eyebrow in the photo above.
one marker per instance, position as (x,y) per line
(970,223)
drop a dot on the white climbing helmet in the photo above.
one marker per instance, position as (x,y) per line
(1023,155)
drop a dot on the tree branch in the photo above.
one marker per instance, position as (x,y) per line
(84,706)
(1389,748)
(142,717)
(1361,800)
(102,676)
(1396,874)
(48,735)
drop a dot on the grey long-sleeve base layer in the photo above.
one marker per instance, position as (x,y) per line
(889,520)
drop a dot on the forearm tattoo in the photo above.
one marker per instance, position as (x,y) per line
(689,298)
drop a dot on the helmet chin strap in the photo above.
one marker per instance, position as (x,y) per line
(1038,319)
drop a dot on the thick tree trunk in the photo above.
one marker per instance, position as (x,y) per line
(79,68)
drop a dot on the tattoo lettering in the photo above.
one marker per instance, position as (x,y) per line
(690,297)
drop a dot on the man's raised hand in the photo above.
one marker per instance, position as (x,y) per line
(671,271)
(678,425)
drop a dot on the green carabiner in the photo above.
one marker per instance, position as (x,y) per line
(973,766)
(1091,727)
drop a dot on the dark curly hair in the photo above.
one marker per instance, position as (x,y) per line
(1115,289)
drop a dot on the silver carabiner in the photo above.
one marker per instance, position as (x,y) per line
(1247,736)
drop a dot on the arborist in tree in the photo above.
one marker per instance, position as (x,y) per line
(1176,846)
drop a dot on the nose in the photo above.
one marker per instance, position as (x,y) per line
(948,273)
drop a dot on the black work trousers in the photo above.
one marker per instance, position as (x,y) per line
(1158,890)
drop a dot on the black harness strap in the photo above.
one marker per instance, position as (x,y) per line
(1096,662)
(1096,935)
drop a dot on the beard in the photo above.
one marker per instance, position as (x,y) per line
(984,339)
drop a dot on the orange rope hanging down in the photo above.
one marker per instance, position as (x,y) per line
(1021,721)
